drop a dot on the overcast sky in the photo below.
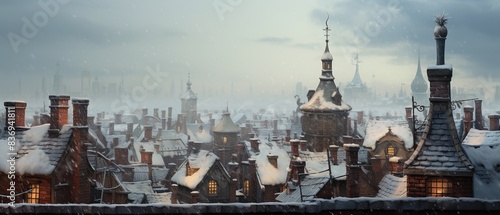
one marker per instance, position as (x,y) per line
(266,45)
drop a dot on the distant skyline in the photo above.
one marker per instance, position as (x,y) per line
(265,46)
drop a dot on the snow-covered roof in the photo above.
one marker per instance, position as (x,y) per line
(199,135)
(322,102)
(483,147)
(309,187)
(392,187)
(36,152)
(377,129)
(189,94)
(202,161)
(226,125)
(267,173)
(163,198)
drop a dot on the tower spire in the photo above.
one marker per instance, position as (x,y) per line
(327,29)
(189,81)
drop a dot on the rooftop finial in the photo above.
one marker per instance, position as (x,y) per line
(327,29)
(189,81)
(440,33)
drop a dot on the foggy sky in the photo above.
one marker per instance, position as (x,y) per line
(267,46)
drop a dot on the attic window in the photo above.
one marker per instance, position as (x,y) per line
(391,151)
(439,187)
(212,187)
(34,194)
(246,187)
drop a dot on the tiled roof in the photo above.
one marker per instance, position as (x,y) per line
(226,125)
(392,187)
(309,186)
(439,148)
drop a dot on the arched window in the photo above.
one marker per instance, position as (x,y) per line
(246,186)
(439,187)
(34,194)
(391,151)
(212,187)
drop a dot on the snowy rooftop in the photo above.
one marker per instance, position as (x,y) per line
(226,125)
(36,152)
(376,129)
(323,102)
(202,161)
(482,148)
(199,135)
(392,187)
(309,186)
(164,198)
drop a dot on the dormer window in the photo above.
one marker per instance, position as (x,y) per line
(391,151)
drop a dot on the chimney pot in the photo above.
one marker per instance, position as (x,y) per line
(254,144)
(294,147)
(273,160)
(494,122)
(334,154)
(174,196)
(479,114)
(351,153)
(58,113)
(17,108)
(148,132)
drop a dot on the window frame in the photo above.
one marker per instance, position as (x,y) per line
(438,187)
(393,150)
(246,186)
(33,197)
(212,187)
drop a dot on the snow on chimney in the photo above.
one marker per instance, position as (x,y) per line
(194,197)
(479,114)
(254,144)
(147,158)
(494,122)
(303,145)
(294,147)
(334,149)
(58,114)
(174,197)
(148,132)
(15,111)
(80,186)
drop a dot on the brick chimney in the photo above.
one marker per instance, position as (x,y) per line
(169,119)
(148,132)
(273,160)
(194,197)
(298,167)
(467,119)
(147,158)
(252,171)
(294,147)
(334,149)
(360,118)
(130,131)
(254,144)
(494,124)
(347,139)
(397,166)
(115,141)
(353,170)
(175,190)
(58,114)
(128,174)
(181,123)
(303,145)
(15,111)
(288,137)
(163,123)
(111,128)
(118,118)
(479,114)
(156,113)
(80,185)
(121,155)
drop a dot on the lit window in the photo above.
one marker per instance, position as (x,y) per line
(34,194)
(391,151)
(212,187)
(246,186)
(439,187)
(224,140)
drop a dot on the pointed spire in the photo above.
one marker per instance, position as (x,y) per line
(189,81)
(356,80)
(418,85)
(327,55)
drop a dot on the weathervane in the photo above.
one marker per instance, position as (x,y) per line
(327,29)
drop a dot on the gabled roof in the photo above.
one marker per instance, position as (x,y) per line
(199,133)
(203,161)
(392,187)
(309,186)
(439,150)
(226,125)
(266,172)
(36,153)
(376,129)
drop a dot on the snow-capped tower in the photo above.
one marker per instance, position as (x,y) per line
(419,86)
(356,90)
(324,116)
(189,103)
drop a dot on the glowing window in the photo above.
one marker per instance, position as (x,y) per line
(224,140)
(246,186)
(34,194)
(391,151)
(212,187)
(439,187)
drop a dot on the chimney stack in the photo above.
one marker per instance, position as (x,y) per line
(232,190)
(479,114)
(148,132)
(334,154)
(169,119)
(273,160)
(128,174)
(254,144)
(15,111)
(353,170)
(467,119)
(348,126)
(163,123)
(252,171)
(397,166)
(360,118)
(59,106)
(351,151)
(174,197)
(163,114)
(147,158)
(118,118)
(288,137)
(294,147)
(298,167)
(130,131)
(194,197)
(494,122)
(111,128)
(303,145)
(80,185)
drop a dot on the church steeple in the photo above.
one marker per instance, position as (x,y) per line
(419,85)
(189,102)
(356,80)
